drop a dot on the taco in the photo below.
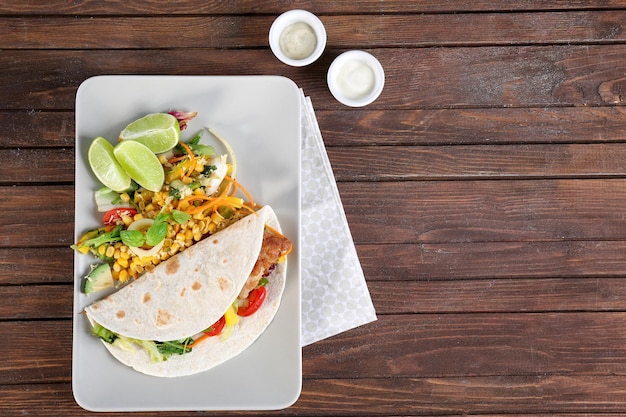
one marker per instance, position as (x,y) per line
(181,318)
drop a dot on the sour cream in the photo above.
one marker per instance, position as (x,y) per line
(298,40)
(355,79)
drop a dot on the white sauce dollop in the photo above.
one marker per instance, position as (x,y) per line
(298,40)
(355,79)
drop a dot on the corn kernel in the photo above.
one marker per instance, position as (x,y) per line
(174,248)
(216,217)
(124,275)
(116,267)
(188,234)
(125,197)
(197,236)
(137,216)
(115,275)
(124,254)
(102,250)
(123,262)
(117,254)
(110,252)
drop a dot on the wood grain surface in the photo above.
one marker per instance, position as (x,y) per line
(485,191)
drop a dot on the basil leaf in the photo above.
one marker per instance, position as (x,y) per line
(180,217)
(157,232)
(109,237)
(133,238)
(203,150)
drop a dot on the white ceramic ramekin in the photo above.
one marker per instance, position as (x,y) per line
(356,78)
(289,18)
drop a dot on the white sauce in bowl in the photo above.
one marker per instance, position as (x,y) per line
(355,79)
(298,40)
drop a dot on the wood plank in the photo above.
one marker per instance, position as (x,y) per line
(600,396)
(405,346)
(388,163)
(50,216)
(447,278)
(351,127)
(537,295)
(484,211)
(36,302)
(493,395)
(497,394)
(228,31)
(37,165)
(499,295)
(431,212)
(38,265)
(493,260)
(480,126)
(36,351)
(27,129)
(183,7)
(470,345)
(394,163)
(532,76)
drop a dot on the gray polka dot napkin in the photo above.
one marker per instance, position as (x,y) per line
(335,297)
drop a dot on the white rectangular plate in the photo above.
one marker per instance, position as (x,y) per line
(260,117)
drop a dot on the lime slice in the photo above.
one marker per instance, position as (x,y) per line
(105,166)
(158,131)
(141,164)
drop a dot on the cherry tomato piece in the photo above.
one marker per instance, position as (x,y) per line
(114,216)
(255,299)
(216,328)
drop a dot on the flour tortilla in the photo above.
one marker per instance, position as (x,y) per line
(188,292)
(218,349)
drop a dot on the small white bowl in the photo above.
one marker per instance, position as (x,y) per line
(356,78)
(290,18)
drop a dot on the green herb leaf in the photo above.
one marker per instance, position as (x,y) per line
(202,150)
(109,237)
(157,232)
(134,238)
(180,217)
(174,347)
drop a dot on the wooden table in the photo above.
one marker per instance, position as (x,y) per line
(485,190)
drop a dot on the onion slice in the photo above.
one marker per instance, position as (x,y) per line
(143,225)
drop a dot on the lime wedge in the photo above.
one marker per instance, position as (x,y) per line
(158,131)
(105,166)
(141,164)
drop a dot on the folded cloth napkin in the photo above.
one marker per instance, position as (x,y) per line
(335,297)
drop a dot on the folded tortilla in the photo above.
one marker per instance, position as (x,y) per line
(188,293)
